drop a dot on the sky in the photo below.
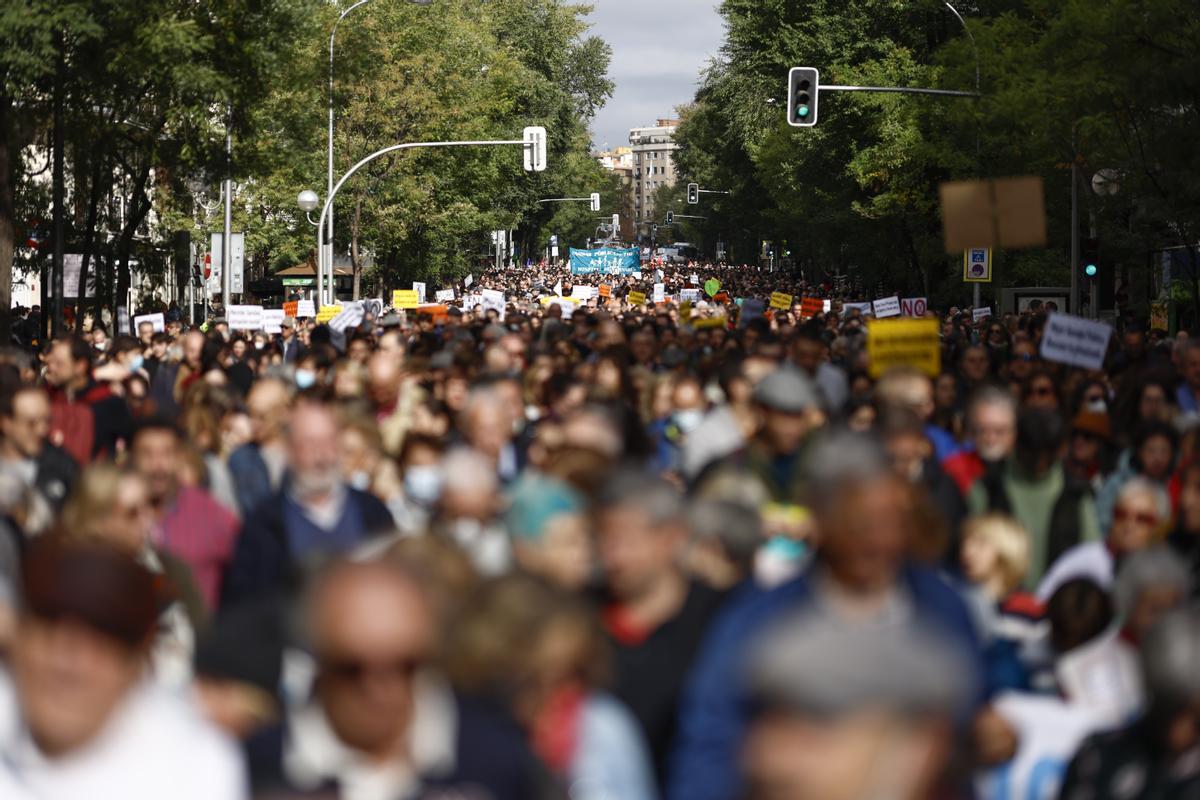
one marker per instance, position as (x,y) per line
(659,48)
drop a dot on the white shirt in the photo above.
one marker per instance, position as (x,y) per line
(154,746)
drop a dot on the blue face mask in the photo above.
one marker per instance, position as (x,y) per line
(136,362)
(305,378)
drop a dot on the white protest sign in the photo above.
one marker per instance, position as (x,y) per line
(493,299)
(660,291)
(558,288)
(658,274)
(865,308)
(419,288)
(444,296)
(637,275)
(689,294)
(470,279)
(470,301)
(272,319)
(72,270)
(244,318)
(828,305)
(1075,341)
(887,307)
(350,317)
(914,306)
(156,320)
(694,279)
(981,313)
(568,308)
(584,293)
(306,308)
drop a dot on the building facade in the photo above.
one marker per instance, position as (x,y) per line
(653,165)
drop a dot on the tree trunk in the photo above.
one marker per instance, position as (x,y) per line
(7,221)
(355,264)
(89,242)
(139,206)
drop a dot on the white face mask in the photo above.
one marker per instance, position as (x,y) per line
(423,484)
(259,344)
(101,346)
(305,378)
(689,419)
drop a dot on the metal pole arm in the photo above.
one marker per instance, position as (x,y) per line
(896,90)
(566,200)
(713,191)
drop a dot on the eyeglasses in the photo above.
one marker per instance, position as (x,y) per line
(1040,391)
(350,670)
(1141,517)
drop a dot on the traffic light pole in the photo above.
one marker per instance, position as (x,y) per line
(825,87)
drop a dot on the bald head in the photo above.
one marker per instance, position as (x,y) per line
(384,375)
(267,406)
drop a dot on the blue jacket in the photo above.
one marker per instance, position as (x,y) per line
(714,712)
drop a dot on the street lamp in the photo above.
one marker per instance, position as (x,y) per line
(329,237)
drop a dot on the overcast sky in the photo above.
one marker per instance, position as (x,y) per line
(659,48)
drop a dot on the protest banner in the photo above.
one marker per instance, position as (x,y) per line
(863,308)
(981,313)
(272,319)
(244,318)
(291,309)
(419,288)
(306,309)
(904,342)
(710,322)
(327,313)
(689,295)
(351,317)
(811,306)
(781,301)
(660,293)
(605,290)
(444,296)
(1075,341)
(583,293)
(914,306)
(606,261)
(493,300)
(637,298)
(886,307)
(405,298)
(157,321)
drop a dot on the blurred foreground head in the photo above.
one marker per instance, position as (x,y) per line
(81,642)
(853,713)
(1170,653)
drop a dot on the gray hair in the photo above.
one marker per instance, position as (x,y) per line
(466,470)
(814,665)
(1143,485)
(841,461)
(1170,653)
(661,502)
(736,527)
(1156,567)
(992,396)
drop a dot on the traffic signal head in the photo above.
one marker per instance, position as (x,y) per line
(1090,258)
(670,217)
(804,85)
(535,149)
(693,196)
(595,198)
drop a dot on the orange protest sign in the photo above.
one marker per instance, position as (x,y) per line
(811,306)
(291,309)
(605,290)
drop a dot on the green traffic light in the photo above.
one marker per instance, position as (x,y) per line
(1090,270)
(802,111)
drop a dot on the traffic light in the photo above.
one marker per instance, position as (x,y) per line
(535,149)
(1090,258)
(595,201)
(616,223)
(693,193)
(804,84)
(670,218)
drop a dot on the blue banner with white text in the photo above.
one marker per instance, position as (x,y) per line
(606,261)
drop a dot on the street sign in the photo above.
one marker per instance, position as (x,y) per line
(977,265)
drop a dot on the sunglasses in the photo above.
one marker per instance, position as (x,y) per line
(1141,517)
(348,670)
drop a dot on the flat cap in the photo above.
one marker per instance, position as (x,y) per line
(787,389)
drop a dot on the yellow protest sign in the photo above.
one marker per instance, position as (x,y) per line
(781,301)
(904,342)
(685,311)
(637,298)
(327,313)
(406,298)
(709,322)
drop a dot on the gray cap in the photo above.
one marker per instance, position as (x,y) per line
(787,389)
(390,320)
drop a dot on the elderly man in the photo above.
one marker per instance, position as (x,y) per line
(315,514)
(382,722)
(83,720)
(258,466)
(991,429)
(862,579)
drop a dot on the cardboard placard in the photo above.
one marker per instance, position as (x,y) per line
(864,308)
(306,308)
(887,307)
(351,317)
(781,301)
(660,292)
(637,298)
(904,342)
(327,313)
(291,309)
(405,298)
(811,306)
(244,318)
(493,299)
(444,296)
(914,306)
(605,290)
(1075,341)
(1006,212)
(157,322)
(980,313)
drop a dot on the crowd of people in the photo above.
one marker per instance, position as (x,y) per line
(607,549)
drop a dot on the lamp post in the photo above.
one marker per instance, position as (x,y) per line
(322,256)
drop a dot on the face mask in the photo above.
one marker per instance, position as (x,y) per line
(259,345)
(423,484)
(360,480)
(689,419)
(101,346)
(305,378)
(136,362)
